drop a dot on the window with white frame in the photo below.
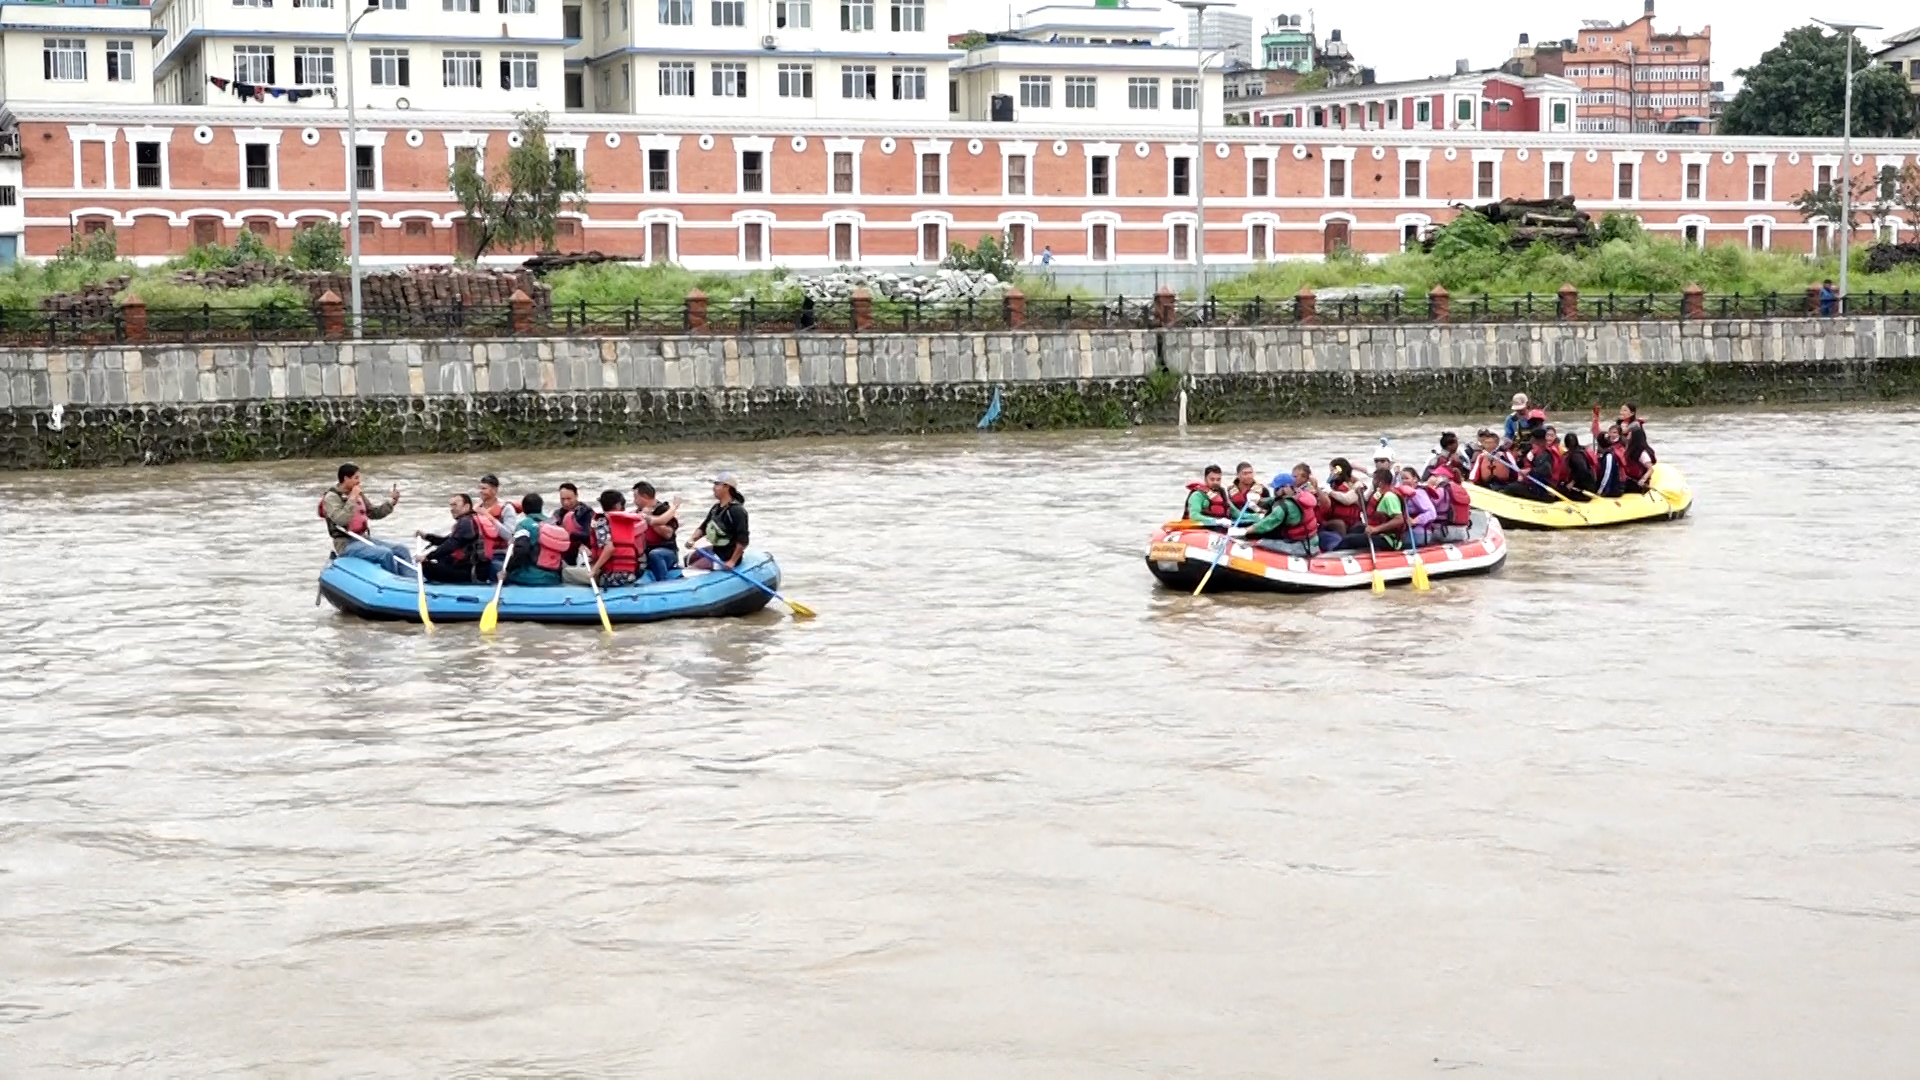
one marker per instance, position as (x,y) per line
(909,84)
(606,16)
(472,6)
(147,169)
(793,14)
(253,64)
(312,65)
(1181,185)
(605,82)
(1260,241)
(626,79)
(1143,92)
(1186,94)
(909,16)
(1100,175)
(1036,91)
(676,78)
(846,242)
(729,12)
(1762,183)
(730,80)
(1082,91)
(933,171)
(257,165)
(753,172)
(1556,179)
(1100,242)
(391,67)
(519,70)
(626,14)
(1336,178)
(1423,112)
(845,179)
(856,14)
(1463,110)
(859,82)
(933,245)
(460,67)
(659,171)
(672,13)
(385,5)
(796,80)
(1694,181)
(1486,180)
(1260,177)
(516,7)
(120,61)
(1017,165)
(1413,183)
(1624,185)
(753,242)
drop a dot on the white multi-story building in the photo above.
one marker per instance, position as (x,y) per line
(443,55)
(97,54)
(779,59)
(1227,31)
(1096,66)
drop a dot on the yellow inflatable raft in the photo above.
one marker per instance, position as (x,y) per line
(1668,498)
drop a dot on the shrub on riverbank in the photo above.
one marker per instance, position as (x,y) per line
(623,284)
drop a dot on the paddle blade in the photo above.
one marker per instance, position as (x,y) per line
(490,618)
(800,611)
(1421,583)
(1204,578)
(605,623)
(425,619)
(1379,582)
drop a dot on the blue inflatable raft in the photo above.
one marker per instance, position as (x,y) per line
(361,588)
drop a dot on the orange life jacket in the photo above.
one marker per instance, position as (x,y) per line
(1309,526)
(623,530)
(359,523)
(489,535)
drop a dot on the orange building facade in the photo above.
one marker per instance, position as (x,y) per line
(742,195)
(1633,78)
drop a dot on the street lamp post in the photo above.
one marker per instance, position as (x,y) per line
(1199,10)
(353,167)
(1846,152)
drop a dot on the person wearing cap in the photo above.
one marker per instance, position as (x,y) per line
(659,532)
(1383,456)
(1516,417)
(724,529)
(347,508)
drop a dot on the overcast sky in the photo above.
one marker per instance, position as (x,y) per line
(1403,39)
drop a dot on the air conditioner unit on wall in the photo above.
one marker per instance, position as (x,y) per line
(769,42)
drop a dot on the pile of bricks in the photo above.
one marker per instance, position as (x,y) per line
(421,288)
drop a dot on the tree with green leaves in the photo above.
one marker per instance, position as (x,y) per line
(990,255)
(520,201)
(1798,90)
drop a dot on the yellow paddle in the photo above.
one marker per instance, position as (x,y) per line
(420,577)
(490,618)
(1373,557)
(1555,492)
(605,623)
(1208,576)
(1421,583)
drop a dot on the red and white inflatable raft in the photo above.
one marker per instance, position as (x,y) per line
(1180,553)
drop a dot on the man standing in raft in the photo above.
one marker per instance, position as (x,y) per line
(347,509)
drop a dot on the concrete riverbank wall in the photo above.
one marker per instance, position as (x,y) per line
(81,407)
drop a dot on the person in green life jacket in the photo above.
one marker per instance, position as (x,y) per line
(1386,518)
(724,530)
(1207,501)
(1291,524)
(528,557)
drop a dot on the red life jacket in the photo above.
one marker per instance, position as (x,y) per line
(1309,526)
(1216,503)
(359,523)
(551,545)
(489,535)
(623,530)
(1237,499)
(1494,467)
(650,538)
(1347,514)
(1459,504)
(1374,516)
(1562,472)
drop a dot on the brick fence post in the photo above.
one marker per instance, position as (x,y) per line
(1016,309)
(697,311)
(862,302)
(1569,302)
(522,306)
(1165,307)
(133,316)
(333,316)
(1440,305)
(1306,304)
(1693,303)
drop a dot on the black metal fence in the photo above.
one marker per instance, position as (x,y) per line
(209,323)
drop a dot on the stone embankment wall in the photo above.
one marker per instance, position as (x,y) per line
(154,403)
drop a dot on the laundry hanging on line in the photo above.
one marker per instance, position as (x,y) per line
(244,90)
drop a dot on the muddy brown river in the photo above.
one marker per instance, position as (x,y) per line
(1646,803)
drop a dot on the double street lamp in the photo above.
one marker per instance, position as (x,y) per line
(1846,151)
(1199,10)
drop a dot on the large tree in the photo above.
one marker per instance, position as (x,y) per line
(520,201)
(1798,89)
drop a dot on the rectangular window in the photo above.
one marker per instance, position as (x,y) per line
(1097,243)
(516,7)
(795,14)
(391,67)
(1082,92)
(676,79)
(909,84)
(64,59)
(519,71)
(461,5)
(1410,185)
(856,14)
(860,82)
(1623,180)
(1757,237)
(909,16)
(1181,244)
(1036,91)
(931,250)
(570,23)
(1100,175)
(605,83)
(796,80)
(659,242)
(1423,112)
(1483,179)
(253,64)
(842,173)
(1695,180)
(1260,182)
(259,157)
(146,164)
(365,176)
(953,95)
(729,12)
(120,61)
(626,14)
(753,242)
(1336,178)
(672,13)
(1143,93)
(660,171)
(1016,174)
(1182,177)
(931,170)
(1823,177)
(1889,182)
(1559,113)
(1463,109)
(730,80)
(1016,242)
(1257,241)
(843,242)
(1760,185)
(574,88)
(312,66)
(9,195)
(385,5)
(1556,179)
(460,67)
(1186,94)
(753,172)
(1393,111)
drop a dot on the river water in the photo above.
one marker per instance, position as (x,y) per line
(1644,804)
